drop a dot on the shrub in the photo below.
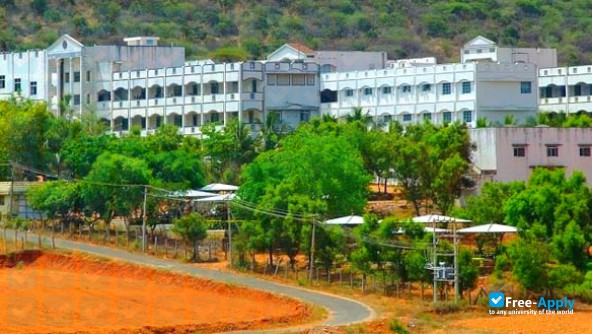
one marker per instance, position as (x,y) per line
(397,327)
(449,307)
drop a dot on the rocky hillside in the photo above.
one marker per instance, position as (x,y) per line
(250,29)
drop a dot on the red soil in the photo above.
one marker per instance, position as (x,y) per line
(55,293)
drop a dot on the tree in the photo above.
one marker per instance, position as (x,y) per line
(529,258)
(309,174)
(229,54)
(192,228)
(115,186)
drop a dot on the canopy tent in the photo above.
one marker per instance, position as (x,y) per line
(192,194)
(489,228)
(438,219)
(427,229)
(347,220)
(217,187)
(218,198)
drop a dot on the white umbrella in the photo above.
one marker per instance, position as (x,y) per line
(427,229)
(438,219)
(347,220)
(436,230)
(216,187)
(218,198)
(489,228)
(192,194)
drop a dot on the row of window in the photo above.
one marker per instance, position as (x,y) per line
(17,85)
(76,76)
(446,89)
(525,88)
(467,116)
(291,79)
(552,151)
(123,123)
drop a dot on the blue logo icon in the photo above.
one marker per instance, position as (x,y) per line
(496,299)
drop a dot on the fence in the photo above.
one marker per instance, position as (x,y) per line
(157,242)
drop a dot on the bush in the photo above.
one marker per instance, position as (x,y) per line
(449,307)
(397,327)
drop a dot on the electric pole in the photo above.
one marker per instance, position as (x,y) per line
(144,221)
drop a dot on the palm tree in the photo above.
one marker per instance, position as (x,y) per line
(358,115)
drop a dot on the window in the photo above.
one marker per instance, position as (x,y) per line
(215,117)
(310,79)
(386,90)
(2,81)
(76,76)
(178,121)
(577,90)
(87,98)
(466,87)
(67,77)
(298,79)
(491,49)
(283,79)
(158,93)
(253,86)
(271,79)
(88,75)
(177,90)
(552,151)
(525,87)
(195,89)
(447,117)
(2,200)
(406,89)
(304,116)
(76,99)
(426,87)
(387,119)
(33,88)
(407,118)
(349,92)
(367,91)
(446,88)
(427,117)
(215,88)
(17,85)
(467,116)
(584,151)
(519,151)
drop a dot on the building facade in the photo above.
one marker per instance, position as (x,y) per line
(512,153)
(143,84)
(438,93)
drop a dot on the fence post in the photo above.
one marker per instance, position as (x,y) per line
(176,248)
(351,279)
(165,246)
(155,245)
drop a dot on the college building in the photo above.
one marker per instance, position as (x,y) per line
(141,83)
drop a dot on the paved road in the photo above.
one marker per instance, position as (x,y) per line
(343,311)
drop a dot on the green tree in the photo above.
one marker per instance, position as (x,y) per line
(192,228)
(114,186)
(529,258)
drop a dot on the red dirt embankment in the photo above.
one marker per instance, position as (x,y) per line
(55,293)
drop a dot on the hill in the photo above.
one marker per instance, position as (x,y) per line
(403,28)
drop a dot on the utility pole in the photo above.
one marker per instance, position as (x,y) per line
(456,280)
(229,232)
(11,191)
(312,250)
(144,220)
(435,264)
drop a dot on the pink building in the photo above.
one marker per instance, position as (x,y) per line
(512,153)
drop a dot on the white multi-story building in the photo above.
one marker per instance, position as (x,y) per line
(146,85)
(566,89)
(439,93)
